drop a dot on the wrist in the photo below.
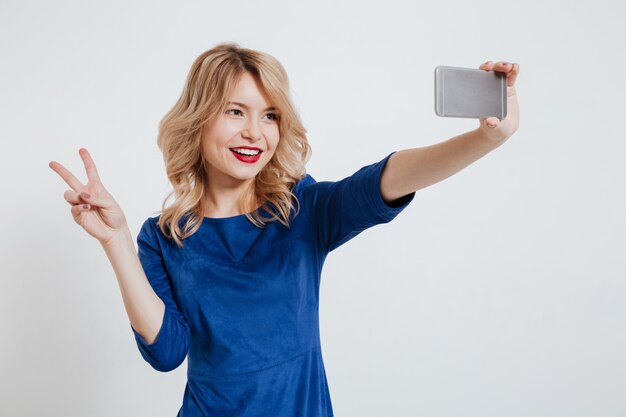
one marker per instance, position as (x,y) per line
(117,238)
(491,135)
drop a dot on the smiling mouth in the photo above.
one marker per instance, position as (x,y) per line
(248,159)
(246,152)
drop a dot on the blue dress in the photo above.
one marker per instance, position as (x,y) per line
(241,302)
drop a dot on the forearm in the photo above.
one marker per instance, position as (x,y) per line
(144,307)
(409,170)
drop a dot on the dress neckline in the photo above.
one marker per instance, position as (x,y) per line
(223,219)
(229,218)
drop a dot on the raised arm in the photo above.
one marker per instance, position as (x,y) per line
(161,332)
(409,170)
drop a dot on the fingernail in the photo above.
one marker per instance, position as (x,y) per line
(85,206)
(85,195)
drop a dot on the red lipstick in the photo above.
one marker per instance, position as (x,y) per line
(250,159)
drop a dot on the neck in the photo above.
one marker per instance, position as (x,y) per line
(223,195)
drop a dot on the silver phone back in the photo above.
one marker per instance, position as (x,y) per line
(469,92)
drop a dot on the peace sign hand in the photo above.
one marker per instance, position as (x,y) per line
(93,208)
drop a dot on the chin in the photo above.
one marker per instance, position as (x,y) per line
(245,175)
(242,172)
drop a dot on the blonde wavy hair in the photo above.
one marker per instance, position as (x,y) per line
(211,79)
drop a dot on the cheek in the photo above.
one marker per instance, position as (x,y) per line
(213,146)
(213,152)
(274,138)
(222,133)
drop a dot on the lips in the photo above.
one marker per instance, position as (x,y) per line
(248,148)
(246,158)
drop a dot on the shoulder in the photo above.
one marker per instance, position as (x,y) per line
(151,223)
(151,228)
(305,187)
(307,179)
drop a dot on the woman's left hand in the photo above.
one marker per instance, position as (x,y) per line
(500,130)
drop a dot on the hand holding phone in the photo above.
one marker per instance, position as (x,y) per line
(470,93)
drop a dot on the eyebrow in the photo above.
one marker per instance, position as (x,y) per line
(246,107)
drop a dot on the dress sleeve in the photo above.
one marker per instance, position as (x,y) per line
(345,208)
(170,348)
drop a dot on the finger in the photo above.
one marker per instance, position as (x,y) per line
(503,66)
(500,66)
(90,166)
(510,69)
(73,197)
(80,208)
(67,176)
(492,121)
(511,77)
(95,198)
(82,197)
(487,66)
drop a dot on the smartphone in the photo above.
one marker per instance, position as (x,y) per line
(469,92)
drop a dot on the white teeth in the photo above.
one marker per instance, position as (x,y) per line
(248,152)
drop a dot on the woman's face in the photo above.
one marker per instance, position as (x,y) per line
(250,124)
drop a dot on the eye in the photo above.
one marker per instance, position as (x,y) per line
(229,110)
(273,116)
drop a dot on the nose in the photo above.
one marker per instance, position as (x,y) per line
(252,131)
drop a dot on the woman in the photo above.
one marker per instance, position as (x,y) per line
(228,275)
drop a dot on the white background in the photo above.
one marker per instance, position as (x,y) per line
(498,291)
